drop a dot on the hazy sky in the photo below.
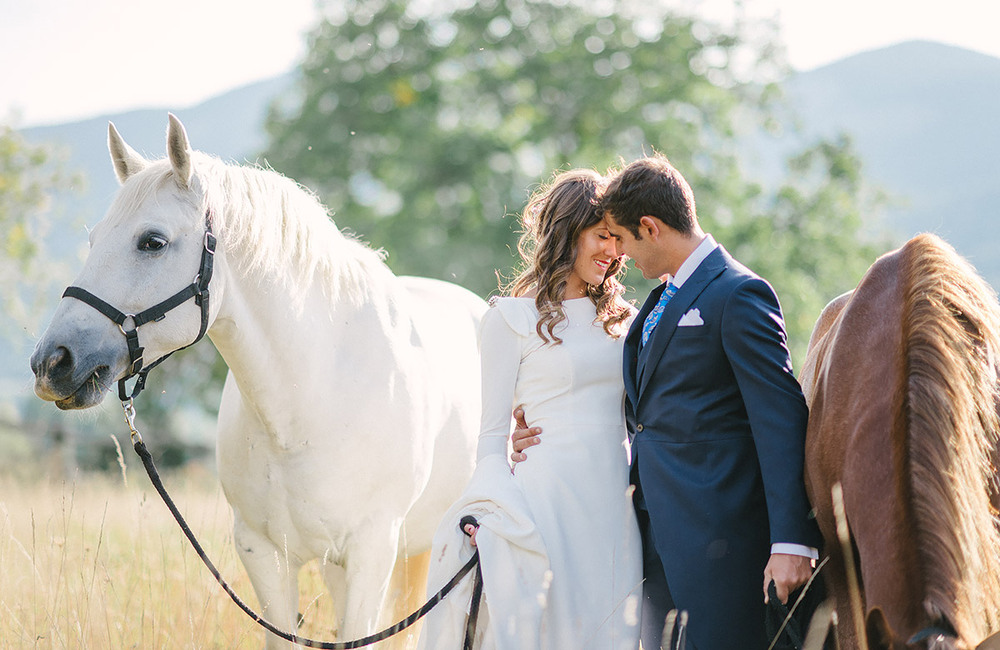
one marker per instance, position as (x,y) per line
(63,60)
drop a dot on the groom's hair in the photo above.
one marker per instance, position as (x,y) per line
(652,187)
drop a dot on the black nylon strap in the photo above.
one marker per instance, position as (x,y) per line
(85,296)
(477,596)
(194,290)
(134,351)
(159,310)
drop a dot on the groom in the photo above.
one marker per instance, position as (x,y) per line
(716,419)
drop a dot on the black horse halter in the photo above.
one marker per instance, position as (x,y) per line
(198,290)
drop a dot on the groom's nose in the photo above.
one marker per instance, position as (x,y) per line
(610,247)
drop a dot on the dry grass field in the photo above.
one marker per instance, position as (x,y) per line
(98,562)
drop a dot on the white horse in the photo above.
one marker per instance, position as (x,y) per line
(348,419)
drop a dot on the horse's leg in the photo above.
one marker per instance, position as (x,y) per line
(368,569)
(835,576)
(405,596)
(822,478)
(407,593)
(336,585)
(274,577)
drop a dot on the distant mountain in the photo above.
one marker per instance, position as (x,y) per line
(925,119)
(230,126)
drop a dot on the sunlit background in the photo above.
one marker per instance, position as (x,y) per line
(65,60)
(816,135)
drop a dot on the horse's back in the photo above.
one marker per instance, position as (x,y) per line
(446,321)
(819,343)
(453,300)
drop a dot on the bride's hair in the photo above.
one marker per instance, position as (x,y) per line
(551,225)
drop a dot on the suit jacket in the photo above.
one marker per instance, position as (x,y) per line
(717,422)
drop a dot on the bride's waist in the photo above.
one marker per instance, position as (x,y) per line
(562,427)
(576,419)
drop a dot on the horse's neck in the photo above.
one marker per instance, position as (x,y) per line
(272,345)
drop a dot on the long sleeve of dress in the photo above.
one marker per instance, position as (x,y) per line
(500,351)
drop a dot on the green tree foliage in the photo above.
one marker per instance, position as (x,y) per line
(813,239)
(29,175)
(425,130)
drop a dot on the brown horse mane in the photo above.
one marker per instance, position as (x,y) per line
(946,428)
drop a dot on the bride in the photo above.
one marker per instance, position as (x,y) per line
(559,547)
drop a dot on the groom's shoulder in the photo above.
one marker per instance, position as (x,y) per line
(737,279)
(733,272)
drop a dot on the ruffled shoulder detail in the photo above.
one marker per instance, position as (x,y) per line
(519,313)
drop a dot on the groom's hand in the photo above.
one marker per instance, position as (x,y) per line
(789,572)
(523,436)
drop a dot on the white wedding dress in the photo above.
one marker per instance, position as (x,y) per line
(559,546)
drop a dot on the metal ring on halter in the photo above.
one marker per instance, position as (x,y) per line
(121,325)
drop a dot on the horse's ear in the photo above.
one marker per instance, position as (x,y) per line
(124,158)
(178,150)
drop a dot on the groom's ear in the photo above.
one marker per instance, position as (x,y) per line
(649,226)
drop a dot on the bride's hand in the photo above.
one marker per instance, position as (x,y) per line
(470,527)
(523,436)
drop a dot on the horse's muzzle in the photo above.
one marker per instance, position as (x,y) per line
(70,380)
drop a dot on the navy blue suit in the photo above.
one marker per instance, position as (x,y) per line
(717,422)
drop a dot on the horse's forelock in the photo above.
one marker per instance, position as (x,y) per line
(948,417)
(137,191)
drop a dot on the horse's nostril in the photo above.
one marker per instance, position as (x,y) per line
(59,362)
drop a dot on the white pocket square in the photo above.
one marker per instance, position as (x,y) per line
(691,319)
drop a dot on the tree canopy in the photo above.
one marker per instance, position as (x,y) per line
(29,175)
(424,131)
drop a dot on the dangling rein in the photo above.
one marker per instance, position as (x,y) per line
(198,290)
(470,631)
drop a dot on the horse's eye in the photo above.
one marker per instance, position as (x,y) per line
(152,242)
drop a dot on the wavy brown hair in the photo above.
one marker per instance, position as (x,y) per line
(552,222)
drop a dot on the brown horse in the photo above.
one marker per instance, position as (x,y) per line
(901,378)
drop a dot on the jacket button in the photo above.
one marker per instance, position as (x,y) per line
(638,427)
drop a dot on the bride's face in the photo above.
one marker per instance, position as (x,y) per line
(595,250)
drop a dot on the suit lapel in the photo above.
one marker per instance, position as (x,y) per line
(632,339)
(707,271)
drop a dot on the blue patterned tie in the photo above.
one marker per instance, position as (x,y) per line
(654,316)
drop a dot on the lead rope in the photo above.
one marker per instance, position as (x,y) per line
(154,477)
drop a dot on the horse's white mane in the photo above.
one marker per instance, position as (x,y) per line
(269,225)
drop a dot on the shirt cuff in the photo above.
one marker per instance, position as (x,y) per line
(795,549)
